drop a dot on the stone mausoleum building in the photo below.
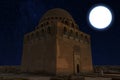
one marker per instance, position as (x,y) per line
(57,46)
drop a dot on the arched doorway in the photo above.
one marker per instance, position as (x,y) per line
(78,70)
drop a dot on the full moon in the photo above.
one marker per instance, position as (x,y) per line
(100,17)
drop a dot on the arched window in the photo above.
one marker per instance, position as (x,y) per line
(76,34)
(49,30)
(47,23)
(71,32)
(72,25)
(86,39)
(66,22)
(65,30)
(81,36)
(41,25)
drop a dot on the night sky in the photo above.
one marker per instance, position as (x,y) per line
(18,17)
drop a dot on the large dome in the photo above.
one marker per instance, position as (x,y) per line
(57,12)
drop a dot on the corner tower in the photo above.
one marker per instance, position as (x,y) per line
(57,46)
